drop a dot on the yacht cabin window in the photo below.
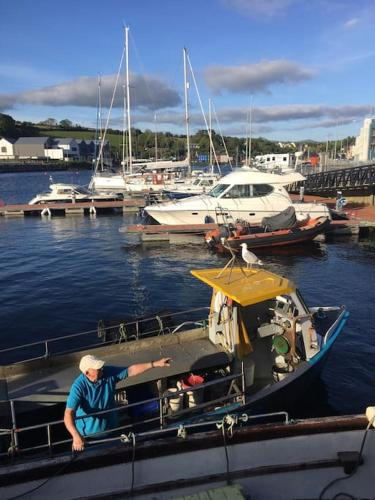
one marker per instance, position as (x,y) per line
(218,190)
(262,189)
(248,191)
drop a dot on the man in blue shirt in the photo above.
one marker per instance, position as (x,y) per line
(94,391)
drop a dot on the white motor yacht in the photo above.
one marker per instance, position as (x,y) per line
(245,194)
(70,193)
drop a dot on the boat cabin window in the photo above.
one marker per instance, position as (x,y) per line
(262,189)
(248,191)
(218,190)
(240,191)
(207,182)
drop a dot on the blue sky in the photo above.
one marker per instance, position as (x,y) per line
(305,68)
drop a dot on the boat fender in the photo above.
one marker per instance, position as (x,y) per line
(46,212)
(226,303)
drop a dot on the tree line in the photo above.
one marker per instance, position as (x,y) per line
(147,144)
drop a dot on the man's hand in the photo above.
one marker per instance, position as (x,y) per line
(162,362)
(78,443)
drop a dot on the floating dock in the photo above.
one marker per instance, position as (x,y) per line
(193,233)
(174,234)
(78,208)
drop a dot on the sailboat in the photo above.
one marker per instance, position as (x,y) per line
(204,182)
(149,176)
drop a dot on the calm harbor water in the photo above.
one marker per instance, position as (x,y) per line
(62,275)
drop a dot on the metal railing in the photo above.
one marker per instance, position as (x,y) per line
(329,181)
(234,394)
(124,335)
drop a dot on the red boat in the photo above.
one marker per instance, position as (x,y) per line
(265,235)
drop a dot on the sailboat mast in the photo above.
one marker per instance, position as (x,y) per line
(156,140)
(123,130)
(99,121)
(210,133)
(186,87)
(250,128)
(128,99)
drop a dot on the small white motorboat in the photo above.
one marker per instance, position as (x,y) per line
(71,193)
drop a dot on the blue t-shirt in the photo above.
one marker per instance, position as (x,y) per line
(88,397)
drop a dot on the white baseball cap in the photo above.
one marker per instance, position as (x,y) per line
(90,361)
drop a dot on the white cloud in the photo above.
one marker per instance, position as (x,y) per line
(351,23)
(259,8)
(235,120)
(336,114)
(258,77)
(146,92)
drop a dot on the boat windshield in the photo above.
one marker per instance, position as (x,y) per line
(218,190)
(81,190)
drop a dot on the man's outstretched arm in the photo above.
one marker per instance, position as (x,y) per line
(139,368)
(78,441)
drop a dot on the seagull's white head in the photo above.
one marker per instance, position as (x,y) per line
(244,245)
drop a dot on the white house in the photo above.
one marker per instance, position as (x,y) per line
(364,148)
(7,148)
(54,153)
(70,147)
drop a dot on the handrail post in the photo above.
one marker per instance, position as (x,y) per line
(49,439)
(14,425)
(243,382)
(161,412)
(46,353)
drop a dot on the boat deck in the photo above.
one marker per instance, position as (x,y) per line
(48,381)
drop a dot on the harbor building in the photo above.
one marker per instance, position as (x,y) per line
(7,148)
(364,148)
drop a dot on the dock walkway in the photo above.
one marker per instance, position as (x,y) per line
(127,205)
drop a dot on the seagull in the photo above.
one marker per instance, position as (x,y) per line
(249,257)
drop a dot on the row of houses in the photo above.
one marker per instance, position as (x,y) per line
(49,148)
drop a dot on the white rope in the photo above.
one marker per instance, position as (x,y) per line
(203,113)
(109,111)
(222,137)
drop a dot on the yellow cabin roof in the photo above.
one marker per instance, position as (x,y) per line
(246,286)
